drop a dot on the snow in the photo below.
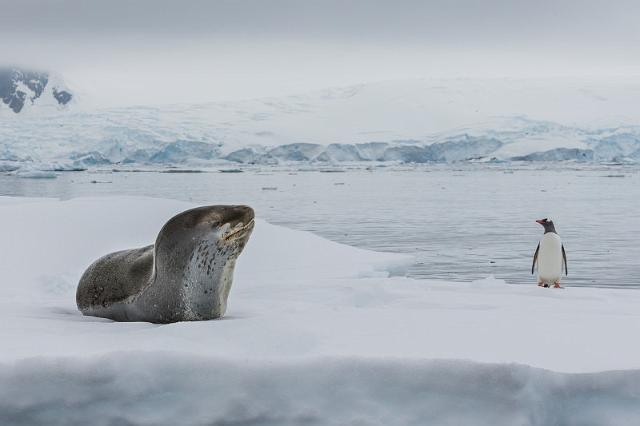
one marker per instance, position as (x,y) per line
(315,332)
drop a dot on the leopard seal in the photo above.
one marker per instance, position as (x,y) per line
(185,276)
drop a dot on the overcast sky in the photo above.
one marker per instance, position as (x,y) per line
(182,51)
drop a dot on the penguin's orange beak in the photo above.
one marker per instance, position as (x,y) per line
(540,221)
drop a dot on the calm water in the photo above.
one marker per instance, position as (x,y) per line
(460,224)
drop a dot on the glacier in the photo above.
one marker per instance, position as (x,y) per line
(420,121)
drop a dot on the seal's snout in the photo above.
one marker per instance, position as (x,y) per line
(240,222)
(238,215)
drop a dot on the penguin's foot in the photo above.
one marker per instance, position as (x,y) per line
(556,285)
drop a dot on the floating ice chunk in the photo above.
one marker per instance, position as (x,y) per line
(35,174)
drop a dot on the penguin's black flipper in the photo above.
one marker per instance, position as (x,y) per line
(535,258)
(564,257)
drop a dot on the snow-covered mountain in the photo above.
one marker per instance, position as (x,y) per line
(21,89)
(414,121)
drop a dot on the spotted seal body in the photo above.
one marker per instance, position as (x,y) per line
(185,276)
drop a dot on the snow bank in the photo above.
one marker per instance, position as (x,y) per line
(295,295)
(149,389)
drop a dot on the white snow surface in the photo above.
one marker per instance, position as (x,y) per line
(316,332)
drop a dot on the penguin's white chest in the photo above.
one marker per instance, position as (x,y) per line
(550,258)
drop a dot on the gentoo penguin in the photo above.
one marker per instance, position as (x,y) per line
(550,256)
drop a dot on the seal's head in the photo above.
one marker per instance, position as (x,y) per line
(224,225)
(198,248)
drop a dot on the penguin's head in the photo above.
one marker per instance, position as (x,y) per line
(547,224)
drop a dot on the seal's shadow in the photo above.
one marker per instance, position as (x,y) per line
(69,314)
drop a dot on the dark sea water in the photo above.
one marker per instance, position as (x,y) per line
(459,223)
